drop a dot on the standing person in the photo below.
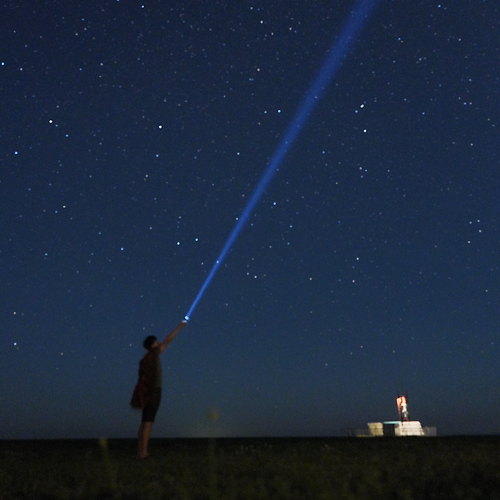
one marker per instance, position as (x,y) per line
(147,392)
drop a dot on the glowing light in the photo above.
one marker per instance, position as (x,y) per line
(318,87)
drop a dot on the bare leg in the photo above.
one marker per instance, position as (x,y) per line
(140,440)
(143,439)
(147,432)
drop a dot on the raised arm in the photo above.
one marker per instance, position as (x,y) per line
(172,335)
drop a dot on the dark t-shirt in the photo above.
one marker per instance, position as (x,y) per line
(158,372)
(148,388)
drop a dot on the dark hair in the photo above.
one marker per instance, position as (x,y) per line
(149,341)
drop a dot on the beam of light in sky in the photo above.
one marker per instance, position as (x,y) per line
(337,54)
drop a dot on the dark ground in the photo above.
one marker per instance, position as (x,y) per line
(302,468)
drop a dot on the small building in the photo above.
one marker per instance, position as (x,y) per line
(398,428)
(402,427)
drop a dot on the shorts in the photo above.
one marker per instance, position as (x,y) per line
(149,411)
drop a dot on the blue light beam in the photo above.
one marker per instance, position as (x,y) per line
(320,84)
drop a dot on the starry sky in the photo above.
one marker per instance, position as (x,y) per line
(133,134)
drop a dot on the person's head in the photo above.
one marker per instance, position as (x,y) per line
(149,342)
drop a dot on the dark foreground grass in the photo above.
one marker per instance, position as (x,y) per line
(363,468)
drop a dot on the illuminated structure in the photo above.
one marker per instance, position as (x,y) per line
(402,402)
(402,427)
(397,428)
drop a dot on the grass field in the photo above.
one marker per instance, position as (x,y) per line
(316,468)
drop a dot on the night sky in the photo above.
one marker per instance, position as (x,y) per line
(133,134)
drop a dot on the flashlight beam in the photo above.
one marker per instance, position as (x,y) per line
(335,58)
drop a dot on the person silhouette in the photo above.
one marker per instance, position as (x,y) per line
(147,392)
